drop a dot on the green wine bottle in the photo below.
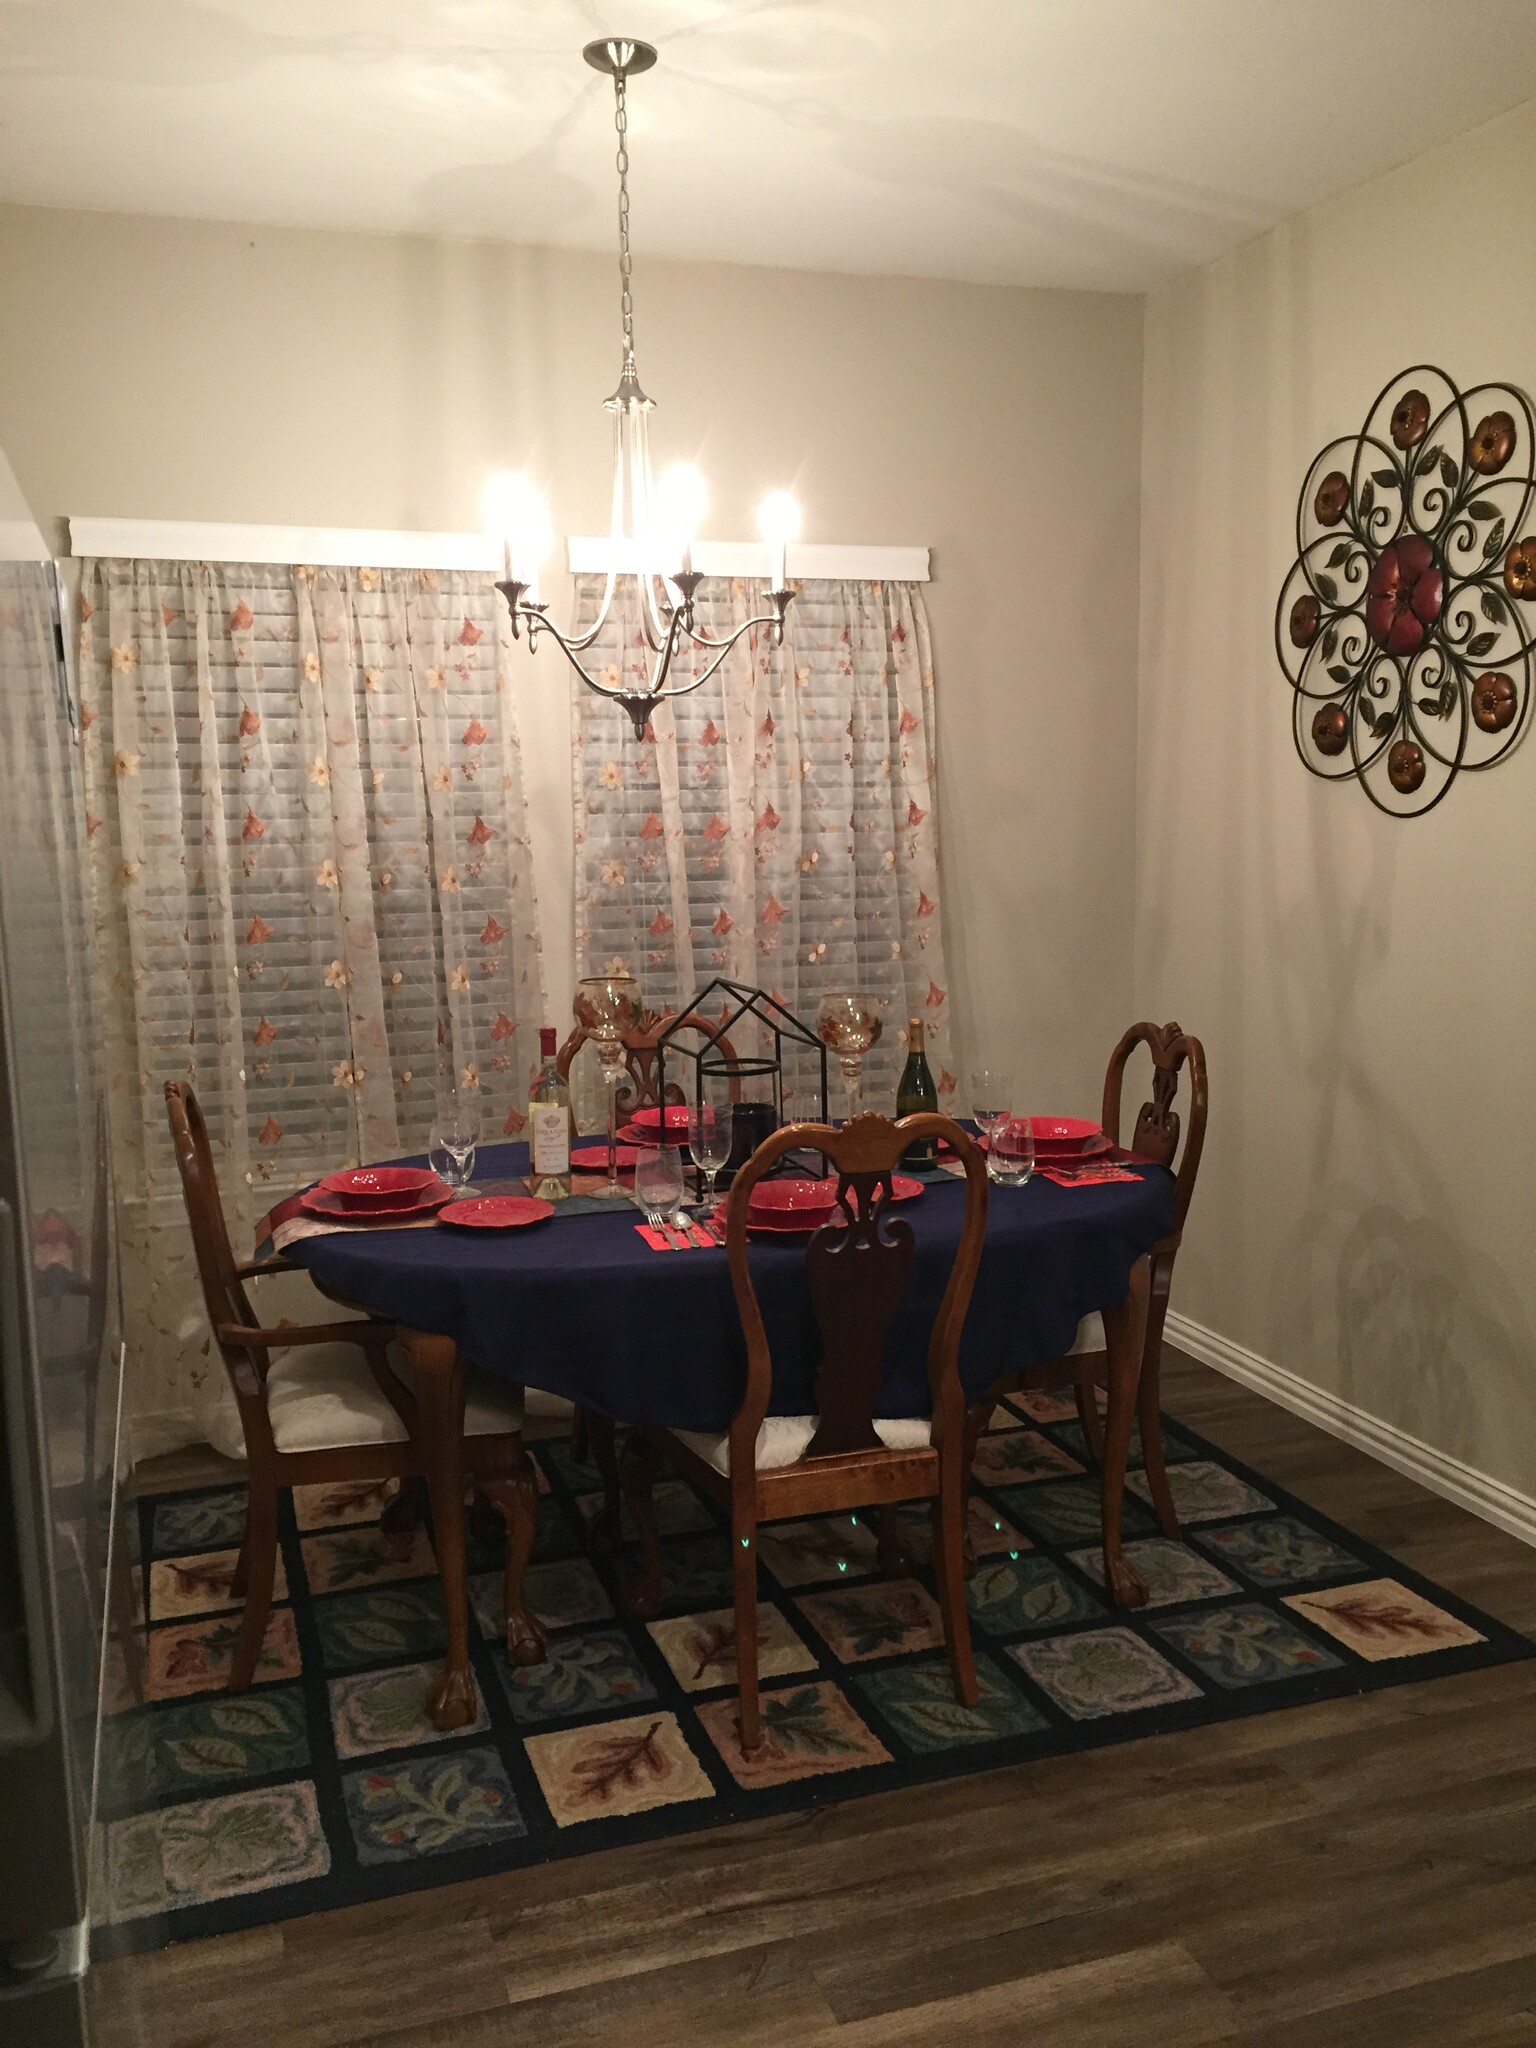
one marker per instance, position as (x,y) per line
(915,1092)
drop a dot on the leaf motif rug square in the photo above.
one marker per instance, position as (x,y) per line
(326,1783)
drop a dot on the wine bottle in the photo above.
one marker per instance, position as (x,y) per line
(549,1126)
(914,1092)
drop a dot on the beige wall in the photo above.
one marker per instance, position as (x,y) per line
(1366,988)
(180,370)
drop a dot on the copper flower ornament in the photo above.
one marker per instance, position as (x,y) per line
(1520,569)
(1330,729)
(1492,443)
(1306,617)
(1410,416)
(1332,497)
(1494,703)
(1405,766)
(1407,624)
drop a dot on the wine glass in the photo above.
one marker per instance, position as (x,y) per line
(659,1180)
(991,1099)
(710,1133)
(607,1006)
(453,1138)
(849,1024)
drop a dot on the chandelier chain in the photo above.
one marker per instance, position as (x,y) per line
(626,297)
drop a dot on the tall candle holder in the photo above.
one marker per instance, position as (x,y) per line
(607,1006)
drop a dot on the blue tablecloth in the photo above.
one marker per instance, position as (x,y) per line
(582,1307)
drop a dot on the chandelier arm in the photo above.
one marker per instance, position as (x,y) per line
(721,648)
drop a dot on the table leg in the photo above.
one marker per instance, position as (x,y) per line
(440,1390)
(1125,1328)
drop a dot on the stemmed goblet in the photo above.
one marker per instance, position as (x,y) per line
(607,1006)
(849,1024)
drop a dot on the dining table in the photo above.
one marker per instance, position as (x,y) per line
(583,1307)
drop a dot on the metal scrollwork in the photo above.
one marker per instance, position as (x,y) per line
(1407,624)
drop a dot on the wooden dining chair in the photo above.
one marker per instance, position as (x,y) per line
(1158,1129)
(638,1089)
(843,1457)
(325,1403)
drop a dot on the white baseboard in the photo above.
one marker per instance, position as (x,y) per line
(1505,1506)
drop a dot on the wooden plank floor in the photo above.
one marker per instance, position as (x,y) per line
(1359,1874)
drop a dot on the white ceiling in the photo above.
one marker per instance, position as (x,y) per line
(1096,143)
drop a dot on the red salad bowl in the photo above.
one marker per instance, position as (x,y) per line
(801,1204)
(1065,1136)
(379,1187)
(649,1120)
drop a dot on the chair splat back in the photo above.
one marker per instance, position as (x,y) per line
(223,1296)
(639,1087)
(1158,1123)
(858,1266)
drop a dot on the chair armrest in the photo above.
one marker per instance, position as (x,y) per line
(367,1333)
(259,1268)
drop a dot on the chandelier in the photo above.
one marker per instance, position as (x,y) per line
(652,531)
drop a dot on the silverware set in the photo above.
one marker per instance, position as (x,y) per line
(675,1230)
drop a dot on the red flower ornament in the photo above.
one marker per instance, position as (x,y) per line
(1405,595)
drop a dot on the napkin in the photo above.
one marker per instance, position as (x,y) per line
(1084,1176)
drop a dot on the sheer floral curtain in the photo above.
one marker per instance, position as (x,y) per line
(311,884)
(777,825)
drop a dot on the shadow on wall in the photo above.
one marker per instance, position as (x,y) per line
(1394,1311)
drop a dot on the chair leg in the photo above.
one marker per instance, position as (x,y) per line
(1088,1414)
(580,1437)
(744,1573)
(240,1578)
(258,1562)
(976,1419)
(486,1513)
(949,1519)
(1150,1415)
(516,1498)
(642,1462)
(605,1527)
(401,1518)
(895,1556)
(1125,1325)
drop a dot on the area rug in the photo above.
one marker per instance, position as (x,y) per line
(325,1783)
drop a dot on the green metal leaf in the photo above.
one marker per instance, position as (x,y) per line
(1493,607)
(1340,674)
(1481,644)
(1495,541)
(1387,478)
(1450,472)
(1330,642)
(1338,555)
(1328,588)
(1483,508)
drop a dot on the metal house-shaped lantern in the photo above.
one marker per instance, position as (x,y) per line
(758,1076)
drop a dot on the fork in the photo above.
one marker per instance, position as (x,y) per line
(658,1223)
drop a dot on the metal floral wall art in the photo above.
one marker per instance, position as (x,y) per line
(1407,624)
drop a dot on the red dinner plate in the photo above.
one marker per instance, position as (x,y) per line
(321,1202)
(379,1187)
(639,1134)
(496,1212)
(594,1158)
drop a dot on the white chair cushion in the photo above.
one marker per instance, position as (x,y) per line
(784,1440)
(320,1396)
(1090,1336)
(492,1407)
